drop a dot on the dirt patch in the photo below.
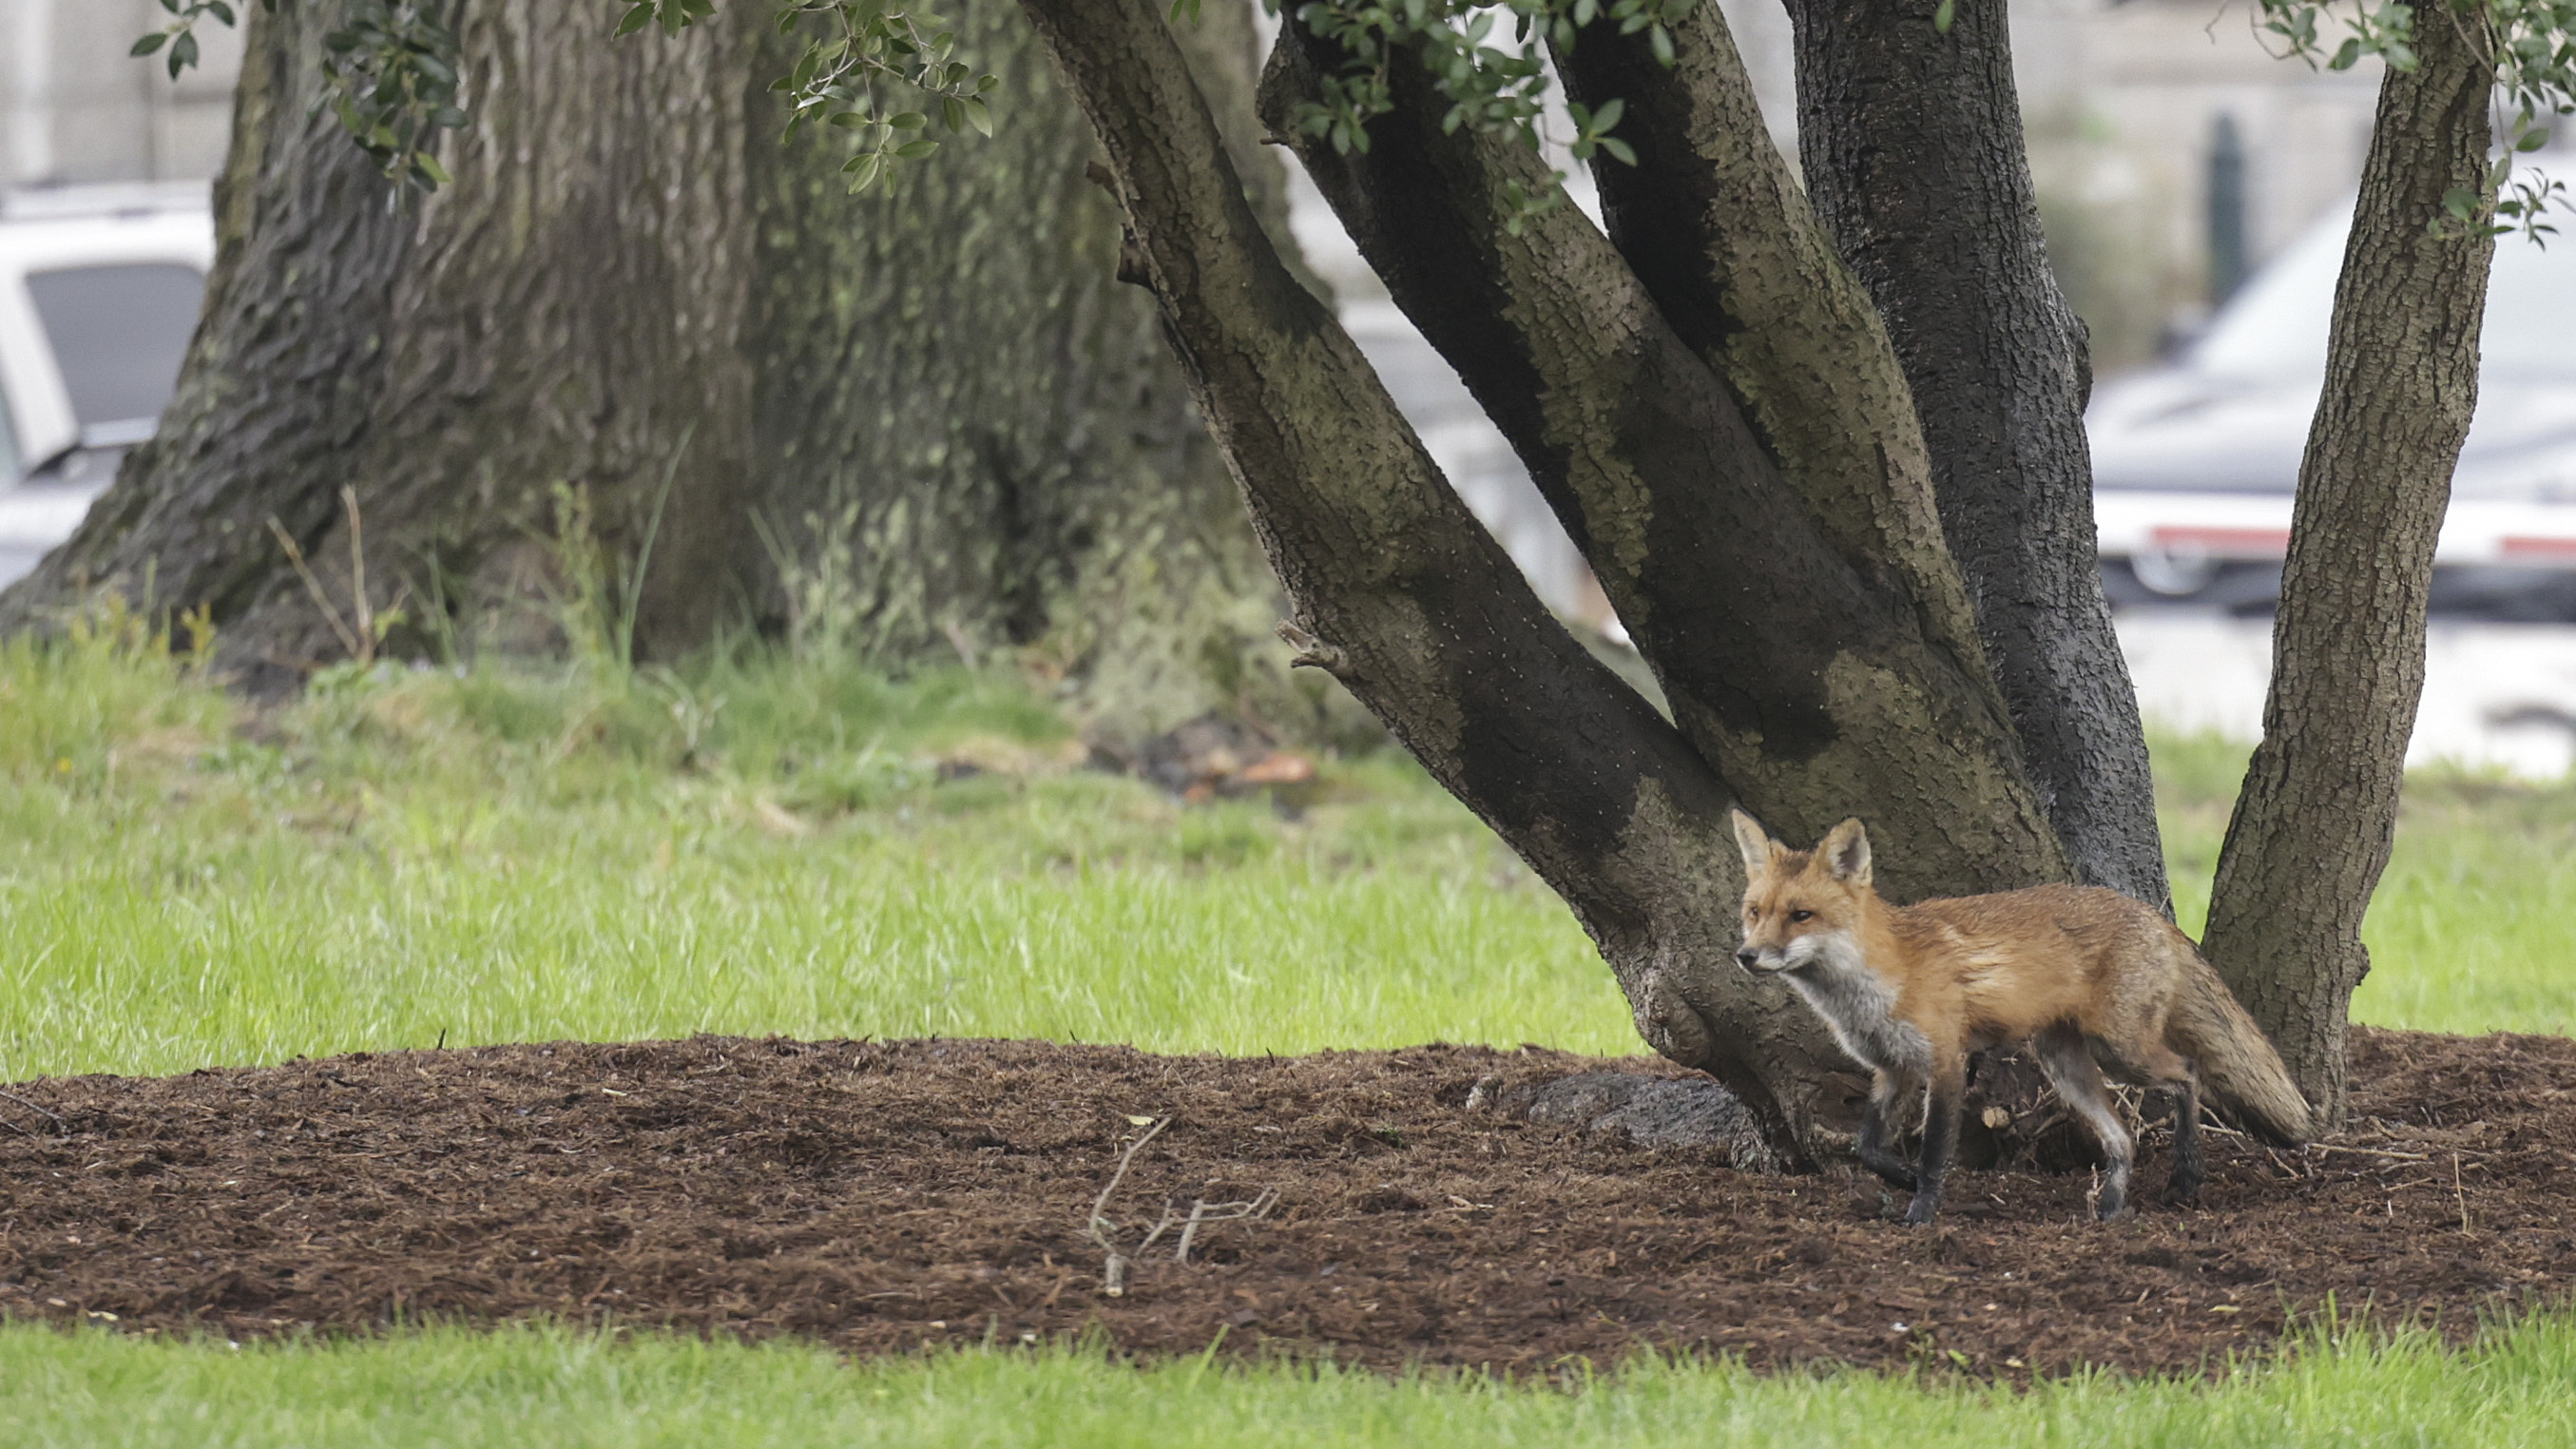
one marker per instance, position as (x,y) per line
(885,1195)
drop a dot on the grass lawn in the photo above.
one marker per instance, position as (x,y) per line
(407,858)
(529,1387)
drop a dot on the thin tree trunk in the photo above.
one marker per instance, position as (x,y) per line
(1912,142)
(2312,828)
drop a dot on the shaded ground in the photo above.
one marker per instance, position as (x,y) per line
(884,1195)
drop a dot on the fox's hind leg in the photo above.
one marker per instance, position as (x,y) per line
(2071,1069)
(2188,1171)
(2174,1074)
(1876,1143)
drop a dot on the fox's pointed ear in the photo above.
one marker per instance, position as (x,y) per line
(1750,838)
(1845,852)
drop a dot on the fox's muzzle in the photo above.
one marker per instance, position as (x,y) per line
(1751,960)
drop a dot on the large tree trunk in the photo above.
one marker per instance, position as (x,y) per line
(957,395)
(929,422)
(1912,143)
(1813,675)
(2313,827)
(571,311)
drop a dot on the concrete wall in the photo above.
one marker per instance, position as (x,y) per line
(74,107)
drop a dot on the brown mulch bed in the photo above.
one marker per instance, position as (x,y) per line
(880,1196)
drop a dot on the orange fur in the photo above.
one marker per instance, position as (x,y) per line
(2087,977)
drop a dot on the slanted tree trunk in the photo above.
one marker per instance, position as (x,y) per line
(924,423)
(2312,829)
(1912,144)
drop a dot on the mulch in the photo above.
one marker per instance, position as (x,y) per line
(882,1196)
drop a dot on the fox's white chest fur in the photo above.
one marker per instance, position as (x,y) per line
(1829,970)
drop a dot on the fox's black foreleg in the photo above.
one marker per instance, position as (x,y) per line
(1876,1143)
(1940,1143)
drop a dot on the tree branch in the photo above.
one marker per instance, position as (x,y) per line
(1715,228)
(1806,681)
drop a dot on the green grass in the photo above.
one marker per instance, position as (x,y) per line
(413,857)
(528,1386)
(410,857)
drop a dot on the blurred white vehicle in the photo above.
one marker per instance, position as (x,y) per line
(99,293)
(2194,463)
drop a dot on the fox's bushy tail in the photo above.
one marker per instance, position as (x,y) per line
(2239,1071)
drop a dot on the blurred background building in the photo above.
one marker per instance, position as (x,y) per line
(75,108)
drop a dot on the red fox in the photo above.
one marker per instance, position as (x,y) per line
(2089,977)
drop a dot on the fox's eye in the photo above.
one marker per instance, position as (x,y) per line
(1802,915)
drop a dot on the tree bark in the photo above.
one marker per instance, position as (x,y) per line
(1822,672)
(1397,590)
(2313,826)
(827,402)
(1913,156)
(958,398)
(445,358)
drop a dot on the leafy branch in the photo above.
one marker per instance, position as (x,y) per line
(835,78)
(391,66)
(2531,44)
(180,35)
(1493,86)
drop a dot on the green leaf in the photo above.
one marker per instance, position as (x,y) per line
(908,121)
(1607,118)
(150,43)
(952,113)
(980,116)
(865,175)
(641,16)
(2532,140)
(183,52)
(1945,15)
(1660,41)
(222,12)
(915,150)
(1620,149)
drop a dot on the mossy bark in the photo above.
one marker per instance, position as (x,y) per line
(918,423)
(1814,642)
